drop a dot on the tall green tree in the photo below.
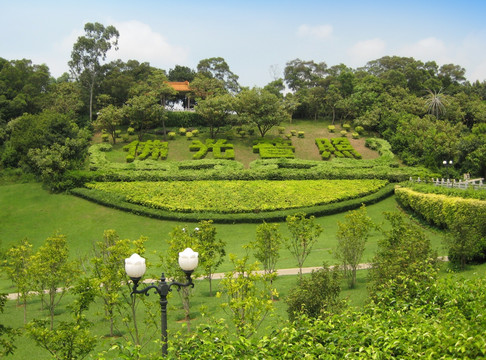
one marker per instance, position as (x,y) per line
(88,52)
(143,112)
(261,108)
(436,103)
(216,111)
(219,69)
(304,233)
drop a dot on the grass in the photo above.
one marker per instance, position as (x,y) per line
(28,211)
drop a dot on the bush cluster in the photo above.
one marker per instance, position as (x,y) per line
(274,148)
(142,150)
(339,147)
(221,149)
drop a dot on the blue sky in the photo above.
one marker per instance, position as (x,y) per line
(252,36)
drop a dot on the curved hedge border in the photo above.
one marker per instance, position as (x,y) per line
(118,202)
(441,210)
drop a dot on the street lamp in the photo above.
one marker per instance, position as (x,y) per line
(446,165)
(135,268)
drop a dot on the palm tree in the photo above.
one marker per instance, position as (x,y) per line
(436,102)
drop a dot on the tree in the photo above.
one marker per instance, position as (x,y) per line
(109,270)
(352,236)
(266,248)
(17,264)
(211,250)
(317,295)
(303,235)
(248,296)
(24,88)
(108,119)
(181,73)
(179,239)
(299,74)
(204,86)
(332,98)
(71,339)
(156,85)
(435,103)
(54,271)
(217,68)
(7,334)
(142,110)
(405,263)
(216,111)
(87,53)
(261,108)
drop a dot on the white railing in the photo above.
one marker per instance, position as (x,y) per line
(475,184)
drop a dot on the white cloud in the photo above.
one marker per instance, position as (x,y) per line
(426,49)
(139,41)
(320,32)
(366,50)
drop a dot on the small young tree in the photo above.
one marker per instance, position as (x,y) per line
(315,295)
(211,250)
(54,271)
(248,296)
(179,239)
(304,233)
(71,339)
(352,236)
(18,268)
(7,334)
(266,248)
(109,270)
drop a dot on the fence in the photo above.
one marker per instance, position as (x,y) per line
(475,184)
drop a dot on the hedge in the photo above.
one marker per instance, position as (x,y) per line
(440,209)
(118,202)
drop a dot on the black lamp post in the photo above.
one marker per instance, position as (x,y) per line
(135,268)
(447,164)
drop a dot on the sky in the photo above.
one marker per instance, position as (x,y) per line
(256,38)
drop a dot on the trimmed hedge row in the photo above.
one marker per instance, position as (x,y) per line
(143,150)
(432,189)
(340,147)
(441,210)
(118,202)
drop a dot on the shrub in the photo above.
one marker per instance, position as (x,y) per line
(229,135)
(171,135)
(331,128)
(125,138)
(293,132)
(182,131)
(346,127)
(288,136)
(251,131)
(242,133)
(355,135)
(344,133)
(118,133)
(105,137)
(359,129)
(189,135)
(316,295)
(281,129)
(195,132)
(130,131)
(300,134)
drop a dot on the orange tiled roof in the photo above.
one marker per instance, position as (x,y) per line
(180,85)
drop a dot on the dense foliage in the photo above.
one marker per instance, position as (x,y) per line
(238,196)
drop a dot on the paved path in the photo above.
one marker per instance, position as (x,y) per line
(280,272)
